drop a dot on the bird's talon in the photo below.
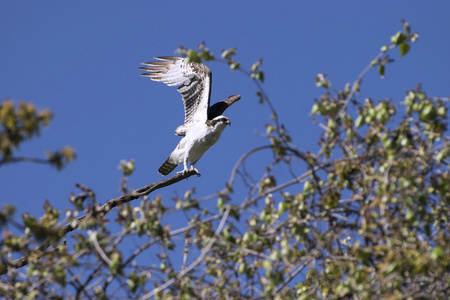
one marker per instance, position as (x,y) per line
(182,172)
(196,171)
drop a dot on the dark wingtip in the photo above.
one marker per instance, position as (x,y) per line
(234,98)
(218,108)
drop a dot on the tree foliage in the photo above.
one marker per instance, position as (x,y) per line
(21,123)
(364,217)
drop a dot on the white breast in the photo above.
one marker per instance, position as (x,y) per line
(201,138)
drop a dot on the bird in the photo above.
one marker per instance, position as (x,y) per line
(203,124)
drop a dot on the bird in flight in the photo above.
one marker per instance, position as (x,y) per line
(203,124)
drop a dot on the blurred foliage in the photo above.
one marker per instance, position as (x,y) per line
(366,217)
(21,123)
(127,167)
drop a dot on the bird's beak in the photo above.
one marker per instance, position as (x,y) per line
(229,122)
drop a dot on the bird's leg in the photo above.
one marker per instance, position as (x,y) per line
(185,164)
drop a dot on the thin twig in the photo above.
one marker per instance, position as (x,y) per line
(98,248)
(25,159)
(292,275)
(356,83)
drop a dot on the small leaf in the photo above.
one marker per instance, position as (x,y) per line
(404,48)
(127,167)
(437,253)
(234,65)
(282,207)
(193,56)
(228,53)
(260,76)
(315,109)
(256,65)
(428,113)
(308,187)
(391,268)
(270,129)
(359,121)
(322,81)
(381,70)
(207,55)
(398,38)
(242,268)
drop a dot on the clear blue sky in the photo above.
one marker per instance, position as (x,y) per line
(81,59)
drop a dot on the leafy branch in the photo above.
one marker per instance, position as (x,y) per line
(94,214)
(23,123)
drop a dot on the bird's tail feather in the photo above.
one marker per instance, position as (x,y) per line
(167,167)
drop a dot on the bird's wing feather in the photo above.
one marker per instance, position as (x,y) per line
(218,108)
(193,81)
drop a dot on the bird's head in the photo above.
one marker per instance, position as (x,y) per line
(219,121)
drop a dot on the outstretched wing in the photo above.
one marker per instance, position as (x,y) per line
(218,108)
(193,81)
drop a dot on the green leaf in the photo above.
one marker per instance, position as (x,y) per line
(115,265)
(315,109)
(228,53)
(270,129)
(193,56)
(207,55)
(255,66)
(437,253)
(127,167)
(234,65)
(242,268)
(282,207)
(359,121)
(398,38)
(260,76)
(391,268)
(308,187)
(404,48)
(322,81)
(381,70)
(428,113)
(441,111)
(443,154)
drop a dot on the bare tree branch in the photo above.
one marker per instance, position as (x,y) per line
(5,161)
